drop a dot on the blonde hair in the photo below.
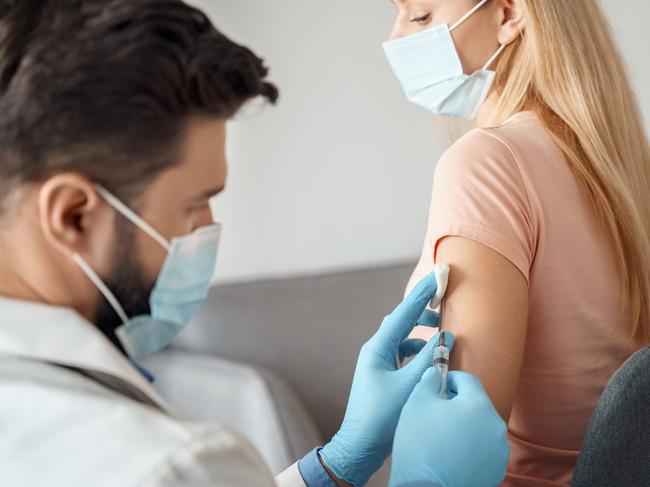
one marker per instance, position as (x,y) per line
(566,67)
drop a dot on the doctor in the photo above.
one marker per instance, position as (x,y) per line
(112,133)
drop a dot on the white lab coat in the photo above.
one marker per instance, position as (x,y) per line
(74,412)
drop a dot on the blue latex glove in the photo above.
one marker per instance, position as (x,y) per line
(379,389)
(458,442)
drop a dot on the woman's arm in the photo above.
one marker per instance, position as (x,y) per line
(486,308)
(482,224)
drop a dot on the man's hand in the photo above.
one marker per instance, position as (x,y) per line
(456,442)
(380,389)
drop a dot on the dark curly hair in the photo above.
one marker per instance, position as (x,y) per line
(106,87)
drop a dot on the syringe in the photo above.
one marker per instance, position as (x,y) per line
(441,363)
(441,352)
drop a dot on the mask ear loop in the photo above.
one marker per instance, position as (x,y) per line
(96,280)
(467,15)
(133,217)
(494,56)
(136,220)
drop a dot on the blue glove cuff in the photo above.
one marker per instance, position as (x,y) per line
(312,471)
(340,463)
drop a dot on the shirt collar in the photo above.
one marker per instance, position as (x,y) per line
(63,337)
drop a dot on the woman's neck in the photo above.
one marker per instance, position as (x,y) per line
(483,118)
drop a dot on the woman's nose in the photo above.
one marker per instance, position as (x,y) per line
(398,31)
(393,36)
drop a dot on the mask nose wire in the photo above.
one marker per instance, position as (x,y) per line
(132,216)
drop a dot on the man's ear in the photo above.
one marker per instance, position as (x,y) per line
(512,22)
(69,208)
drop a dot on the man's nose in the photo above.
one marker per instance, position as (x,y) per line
(205,218)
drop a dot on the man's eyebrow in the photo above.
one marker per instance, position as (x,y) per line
(209,193)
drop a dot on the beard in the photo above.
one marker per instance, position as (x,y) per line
(126,281)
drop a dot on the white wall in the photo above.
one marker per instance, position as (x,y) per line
(631,22)
(338,175)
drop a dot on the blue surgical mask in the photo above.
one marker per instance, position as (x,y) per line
(429,69)
(181,287)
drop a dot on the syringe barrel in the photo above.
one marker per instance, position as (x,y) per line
(441,363)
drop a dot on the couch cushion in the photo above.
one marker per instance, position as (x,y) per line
(251,401)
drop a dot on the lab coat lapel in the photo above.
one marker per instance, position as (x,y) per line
(63,337)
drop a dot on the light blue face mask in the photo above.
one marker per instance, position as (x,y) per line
(180,290)
(429,69)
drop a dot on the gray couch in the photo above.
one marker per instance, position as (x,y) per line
(616,450)
(306,331)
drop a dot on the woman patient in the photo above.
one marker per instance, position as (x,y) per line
(542,212)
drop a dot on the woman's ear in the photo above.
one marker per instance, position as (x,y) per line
(512,22)
(69,209)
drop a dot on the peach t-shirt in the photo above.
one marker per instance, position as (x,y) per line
(511,188)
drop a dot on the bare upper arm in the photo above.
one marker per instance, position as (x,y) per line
(486,307)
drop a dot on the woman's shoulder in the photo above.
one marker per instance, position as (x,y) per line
(476,144)
(477,152)
(480,194)
(506,148)
(522,129)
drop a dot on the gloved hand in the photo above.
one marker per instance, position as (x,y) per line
(458,442)
(380,389)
